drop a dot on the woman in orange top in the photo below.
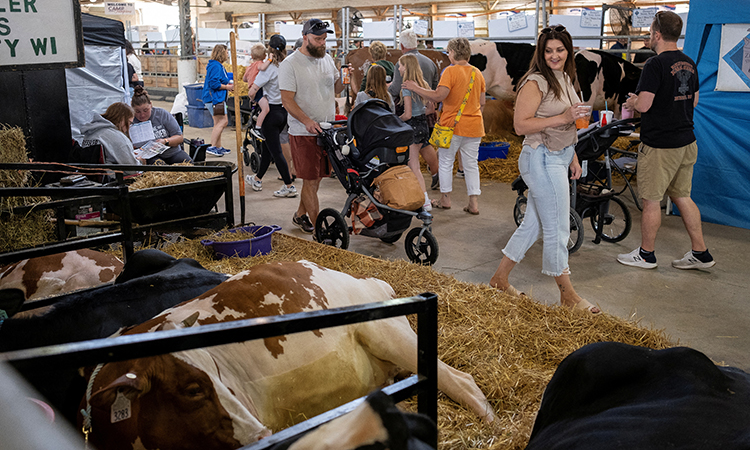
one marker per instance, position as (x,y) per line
(468,132)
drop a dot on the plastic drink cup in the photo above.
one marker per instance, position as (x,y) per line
(626,113)
(606,117)
(344,75)
(583,122)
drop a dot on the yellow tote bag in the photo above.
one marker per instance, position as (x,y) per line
(441,136)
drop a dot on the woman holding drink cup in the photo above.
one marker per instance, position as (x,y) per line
(546,112)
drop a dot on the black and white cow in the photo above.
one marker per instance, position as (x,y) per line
(602,76)
(150,282)
(617,396)
(503,64)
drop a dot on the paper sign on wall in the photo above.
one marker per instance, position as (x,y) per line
(643,17)
(591,18)
(466,29)
(517,22)
(420,27)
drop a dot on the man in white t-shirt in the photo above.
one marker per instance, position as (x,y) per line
(309,81)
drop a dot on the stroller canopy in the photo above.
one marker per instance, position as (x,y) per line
(374,125)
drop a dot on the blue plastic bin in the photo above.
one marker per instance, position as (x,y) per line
(493,150)
(199,117)
(194,93)
(259,245)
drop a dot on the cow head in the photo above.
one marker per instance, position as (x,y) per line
(171,404)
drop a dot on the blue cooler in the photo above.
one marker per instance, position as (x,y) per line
(194,93)
(493,150)
(199,117)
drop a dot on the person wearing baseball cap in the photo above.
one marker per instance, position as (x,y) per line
(309,82)
(274,124)
(316,27)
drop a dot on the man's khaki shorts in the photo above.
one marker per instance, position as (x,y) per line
(666,171)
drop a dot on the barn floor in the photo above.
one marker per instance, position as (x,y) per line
(706,310)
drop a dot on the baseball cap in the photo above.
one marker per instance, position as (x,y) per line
(316,27)
(277,42)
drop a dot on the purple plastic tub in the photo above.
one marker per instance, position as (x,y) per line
(259,245)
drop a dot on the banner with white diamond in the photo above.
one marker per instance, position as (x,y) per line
(734,58)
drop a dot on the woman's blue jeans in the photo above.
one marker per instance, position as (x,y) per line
(546,174)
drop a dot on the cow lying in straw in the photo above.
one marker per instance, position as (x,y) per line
(231,395)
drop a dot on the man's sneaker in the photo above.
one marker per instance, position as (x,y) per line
(303,223)
(216,151)
(285,191)
(257,185)
(255,131)
(226,151)
(635,259)
(689,261)
(460,173)
(435,182)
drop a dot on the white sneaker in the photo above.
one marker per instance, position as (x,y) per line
(286,191)
(257,185)
(691,262)
(634,259)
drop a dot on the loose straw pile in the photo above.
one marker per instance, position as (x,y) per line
(155,179)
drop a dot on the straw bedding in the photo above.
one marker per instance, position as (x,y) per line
(511,346)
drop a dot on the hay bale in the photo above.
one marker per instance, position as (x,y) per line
(33,228)
(510,345)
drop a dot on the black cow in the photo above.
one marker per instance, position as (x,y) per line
(150,282)
(612,395)
(603,76)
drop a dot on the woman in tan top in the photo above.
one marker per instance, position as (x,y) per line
(545,113)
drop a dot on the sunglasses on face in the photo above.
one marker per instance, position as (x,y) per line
(556,29)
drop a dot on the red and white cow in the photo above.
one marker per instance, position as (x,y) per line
(360,59)
(57,274)
(227,396)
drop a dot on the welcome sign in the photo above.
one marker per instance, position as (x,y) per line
(40,34)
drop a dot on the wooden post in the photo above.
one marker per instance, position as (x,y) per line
(238,130)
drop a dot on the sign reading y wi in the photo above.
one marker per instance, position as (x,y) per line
(40,34)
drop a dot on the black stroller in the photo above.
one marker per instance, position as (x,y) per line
(594,195)
(251,145)
(371,141)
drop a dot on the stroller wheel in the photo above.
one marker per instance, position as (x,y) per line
(246,155)
(576,232)
(421,246)
(616,221)
(519,211)
(391,239)
(254,161)
(331,229)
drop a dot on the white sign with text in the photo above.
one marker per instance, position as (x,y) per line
(37,32)
(114,8)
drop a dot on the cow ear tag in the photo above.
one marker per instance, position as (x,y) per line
(120,408)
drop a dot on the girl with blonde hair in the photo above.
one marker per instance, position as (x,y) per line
(414,115)
(376,87)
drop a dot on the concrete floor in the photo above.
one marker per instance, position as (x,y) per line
(706,310)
